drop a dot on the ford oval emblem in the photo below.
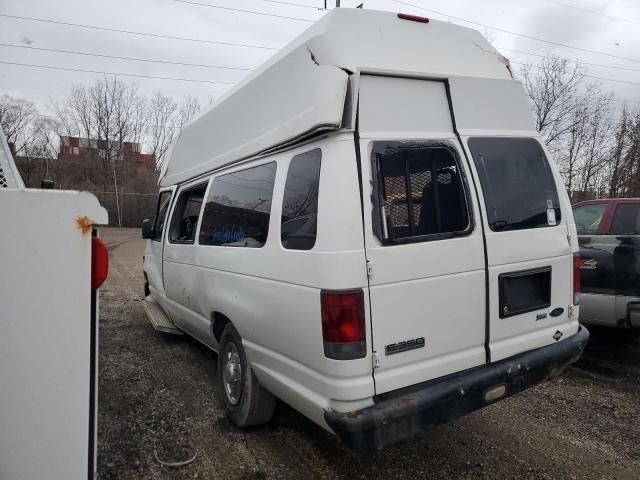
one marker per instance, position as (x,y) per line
(556,312)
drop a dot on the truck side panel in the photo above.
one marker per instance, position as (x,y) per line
(47,417)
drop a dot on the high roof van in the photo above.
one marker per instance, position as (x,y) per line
(369,229)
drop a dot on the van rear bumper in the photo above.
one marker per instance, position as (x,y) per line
(402,413)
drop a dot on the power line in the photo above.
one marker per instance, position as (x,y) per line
(587,76)
(571,60)
(137,59)
(566,5)
(52,67)
(131,32)
(253,12)
(530,37)
(53,117)
(293,4)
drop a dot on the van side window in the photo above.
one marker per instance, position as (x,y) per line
(421,192)
(626,219)
(238,208)
(517,183)
(298,226)
(161,215)
(186,213)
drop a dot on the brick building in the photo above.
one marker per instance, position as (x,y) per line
(83,164)
(72,148)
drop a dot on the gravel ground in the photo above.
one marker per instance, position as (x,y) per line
(158,394)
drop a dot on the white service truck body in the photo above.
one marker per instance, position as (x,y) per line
(49,330)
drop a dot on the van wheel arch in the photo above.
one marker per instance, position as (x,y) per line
(218,322)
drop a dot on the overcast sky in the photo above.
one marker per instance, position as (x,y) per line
(610,26)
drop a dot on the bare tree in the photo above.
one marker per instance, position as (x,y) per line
(575,140)
(160,131)
(631,161)
(15,116)
(554,89)
(597,144)
(189,108)
(108,113)
(616,159)
(166,119)
(36,149)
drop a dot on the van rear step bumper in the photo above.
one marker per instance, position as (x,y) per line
(402,413)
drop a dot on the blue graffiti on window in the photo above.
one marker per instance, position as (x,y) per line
(228,235)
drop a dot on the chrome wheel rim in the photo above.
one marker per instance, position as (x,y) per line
(232,373)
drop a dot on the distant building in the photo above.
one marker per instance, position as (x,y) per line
(73,148)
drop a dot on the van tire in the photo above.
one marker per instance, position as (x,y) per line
(255,404)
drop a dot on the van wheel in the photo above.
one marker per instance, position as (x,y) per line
(247,403)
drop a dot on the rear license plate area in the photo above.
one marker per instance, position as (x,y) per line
(524,291)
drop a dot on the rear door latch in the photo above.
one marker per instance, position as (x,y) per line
(375,360)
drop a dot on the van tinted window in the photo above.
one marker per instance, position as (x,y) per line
(517,183)
(161,215)
(238,208)
(422,191)
(298,225)
(186,214)
(626,219)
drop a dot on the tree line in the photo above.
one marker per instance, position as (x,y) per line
(593,137)
(110,110)
(113,115)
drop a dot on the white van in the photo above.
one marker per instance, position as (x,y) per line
(368,228)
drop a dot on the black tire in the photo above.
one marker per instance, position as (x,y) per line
(254,405)
(614,336)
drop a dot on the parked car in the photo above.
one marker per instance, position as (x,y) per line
(369,229)
(609,237)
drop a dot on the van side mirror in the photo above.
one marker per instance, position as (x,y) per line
(147,229)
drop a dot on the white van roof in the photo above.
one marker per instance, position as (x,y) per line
(302,89)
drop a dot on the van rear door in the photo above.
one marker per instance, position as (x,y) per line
(423,240)
(526,217)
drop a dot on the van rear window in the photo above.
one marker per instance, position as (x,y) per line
(422,192)
(517,183)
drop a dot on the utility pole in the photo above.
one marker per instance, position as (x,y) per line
(115,188)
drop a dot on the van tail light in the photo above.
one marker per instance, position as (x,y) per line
(577,284)
(99,262)
(343,330)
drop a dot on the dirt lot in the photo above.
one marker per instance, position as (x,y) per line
(159,393)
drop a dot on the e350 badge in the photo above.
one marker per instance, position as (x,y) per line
(403,346)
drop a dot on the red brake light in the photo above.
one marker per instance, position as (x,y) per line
(577,284)
(413,18)
(343,329)
(99,262)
